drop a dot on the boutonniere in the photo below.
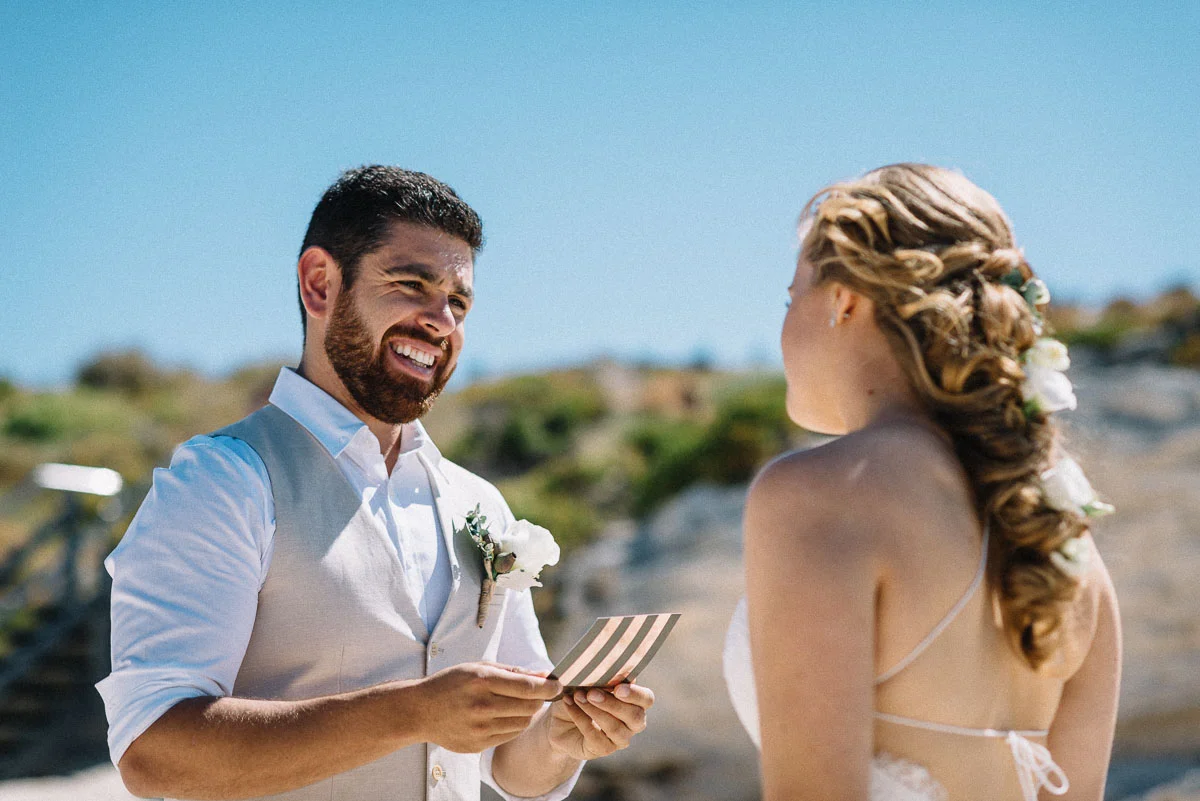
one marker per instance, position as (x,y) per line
(511,560)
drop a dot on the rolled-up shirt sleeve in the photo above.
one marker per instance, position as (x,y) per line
(186,578)
(522,645)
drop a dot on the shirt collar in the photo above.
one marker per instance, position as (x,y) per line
(335,426)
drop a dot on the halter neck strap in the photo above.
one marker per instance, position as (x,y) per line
(945,621)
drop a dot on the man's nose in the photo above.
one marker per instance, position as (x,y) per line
(437,317)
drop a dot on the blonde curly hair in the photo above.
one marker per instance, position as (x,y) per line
(933,251)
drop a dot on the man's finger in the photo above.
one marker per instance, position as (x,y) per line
(632,715)
(499,739)
(510,725)
(523,685)
(511,706)
(596,742)
(516,669)
(635,694)
(581,719)
(614,728)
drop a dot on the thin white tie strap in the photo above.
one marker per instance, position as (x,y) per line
(945,621)
(948,728)
(1036,768)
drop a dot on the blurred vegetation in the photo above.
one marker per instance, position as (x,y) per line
(570,449)
(122,412)
(749,427)
(520,423)
(1164,330)
(576,449)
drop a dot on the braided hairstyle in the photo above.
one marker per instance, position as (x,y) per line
(933,251)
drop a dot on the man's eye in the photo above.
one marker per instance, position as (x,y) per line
(460,303)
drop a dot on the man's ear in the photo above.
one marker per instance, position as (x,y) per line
(320,280)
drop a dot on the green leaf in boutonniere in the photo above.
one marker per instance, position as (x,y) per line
(475,526)
(513,560)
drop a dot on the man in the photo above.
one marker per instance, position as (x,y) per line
(294,614)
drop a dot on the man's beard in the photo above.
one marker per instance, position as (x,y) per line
(360,364)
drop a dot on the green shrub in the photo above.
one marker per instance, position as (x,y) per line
(520,423)
(572,520)
(570,478)
(51,418)
(125,371)
(41,422)
(17,459)
(750,427)
(1187,352)
(1104,336)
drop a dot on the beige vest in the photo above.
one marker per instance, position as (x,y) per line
(333,614)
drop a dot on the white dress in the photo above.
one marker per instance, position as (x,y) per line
(895,779)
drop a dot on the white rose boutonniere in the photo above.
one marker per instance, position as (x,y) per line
(512,560)
(531,548)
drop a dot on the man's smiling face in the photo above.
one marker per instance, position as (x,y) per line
(394,336)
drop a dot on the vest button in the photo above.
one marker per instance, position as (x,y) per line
(437,773)
(434,650)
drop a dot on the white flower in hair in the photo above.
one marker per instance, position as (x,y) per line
(1047,390)
(1073,557)
(1050,353)
(1035,292)
(1067,489)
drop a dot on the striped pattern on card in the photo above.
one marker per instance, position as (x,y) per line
(614,650)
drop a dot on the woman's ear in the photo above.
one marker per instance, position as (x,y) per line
(845,303)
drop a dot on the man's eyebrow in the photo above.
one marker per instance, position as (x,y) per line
(418,270)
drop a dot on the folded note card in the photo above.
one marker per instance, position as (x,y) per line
(614,650)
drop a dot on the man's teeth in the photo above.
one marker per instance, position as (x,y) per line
(418,356)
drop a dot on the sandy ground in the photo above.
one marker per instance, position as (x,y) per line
(101,783)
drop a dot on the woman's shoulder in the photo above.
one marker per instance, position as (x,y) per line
(876,471)
(1093,615)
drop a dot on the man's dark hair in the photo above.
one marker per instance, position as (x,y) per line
(354,214)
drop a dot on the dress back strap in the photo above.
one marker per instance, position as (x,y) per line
(945,621)
(1036,770)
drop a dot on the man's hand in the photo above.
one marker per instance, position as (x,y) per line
(595,723)
(478,705)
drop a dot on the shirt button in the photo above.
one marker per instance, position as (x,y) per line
(438,774)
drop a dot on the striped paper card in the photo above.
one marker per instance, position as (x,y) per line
(614,650)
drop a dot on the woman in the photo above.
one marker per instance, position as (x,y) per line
(927,614)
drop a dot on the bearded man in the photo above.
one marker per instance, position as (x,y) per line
(293,613)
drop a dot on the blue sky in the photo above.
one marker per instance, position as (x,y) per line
(638,166)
